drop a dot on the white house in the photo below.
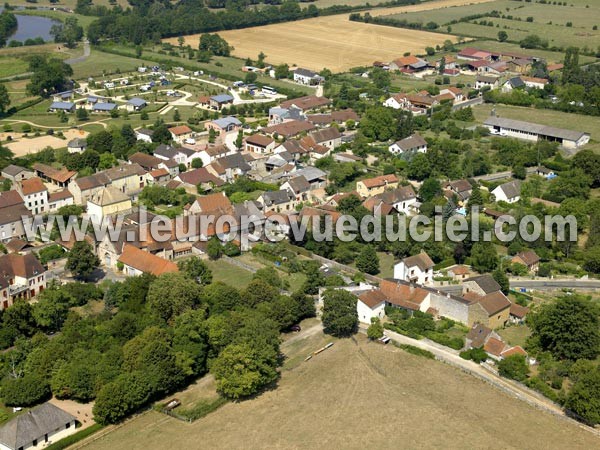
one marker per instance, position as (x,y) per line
(370,304)
(397,101)
(35,195)
(508,192)
(417,269)
(37,428)
(487,81)
(412,144)
(307,77)
(144,134)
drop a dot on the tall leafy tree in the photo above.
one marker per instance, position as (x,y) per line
(568,328)
(340,317)
(82,261)
(367,260)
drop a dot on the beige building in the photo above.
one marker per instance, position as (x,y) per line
(107,202)
(377,185)
(130,179)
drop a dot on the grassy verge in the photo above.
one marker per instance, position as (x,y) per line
(415,350)
(74,438)
(202,409)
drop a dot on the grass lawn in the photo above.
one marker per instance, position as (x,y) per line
(229,274)
(515,335)
(386,265)
(341,399)
(11,65)
(100,64)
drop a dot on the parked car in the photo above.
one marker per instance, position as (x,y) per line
(296,328)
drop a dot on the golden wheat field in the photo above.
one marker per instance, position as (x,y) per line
(333,41)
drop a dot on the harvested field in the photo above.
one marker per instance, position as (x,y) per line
(361,395)
(333,41)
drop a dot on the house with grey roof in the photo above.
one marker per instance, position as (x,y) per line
(135,104)
(513,83)
(104,107)
(508,192)
(37,428)
(279,115)
(62,106)
(144,134)
(519,129)
(307,77)
(15,173)
(277,201)
(77,145)
(221,100)
(223,125)
(409,145)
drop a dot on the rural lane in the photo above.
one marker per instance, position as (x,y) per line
(554,284)
(86,54)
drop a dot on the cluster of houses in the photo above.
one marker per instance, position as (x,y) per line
(480,303)
(66,102)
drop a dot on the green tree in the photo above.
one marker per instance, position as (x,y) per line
(49,75)
(484,257)
(239,140)
(25,391)
(569,328)
(214,248)
(167,306)
(196,269)
(584,397)
(242,370)
(190,341)
(282,71)
(502,36)
(419,167)
(176,115)
(4,99)
(367,260)
(375,330)
(121,397)
(501,278)
(68,32)
(514,367)
(51,310)
(340,317)
(430,188)
(82,261)
(476,198)
(220,297)
(314,278)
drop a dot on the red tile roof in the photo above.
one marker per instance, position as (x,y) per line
(372,298)
(146,262)
(494,346)
(403,295)
(32,186)
(179,130)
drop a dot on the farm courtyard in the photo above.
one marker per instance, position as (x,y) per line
(360,395)
(333,42)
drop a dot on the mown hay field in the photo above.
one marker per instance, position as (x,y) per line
(360,395)
(333,42)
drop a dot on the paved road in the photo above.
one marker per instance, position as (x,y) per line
(86,54)
(500,175)
(553,284)
(467,103)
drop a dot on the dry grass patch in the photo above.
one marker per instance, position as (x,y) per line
(362,395)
